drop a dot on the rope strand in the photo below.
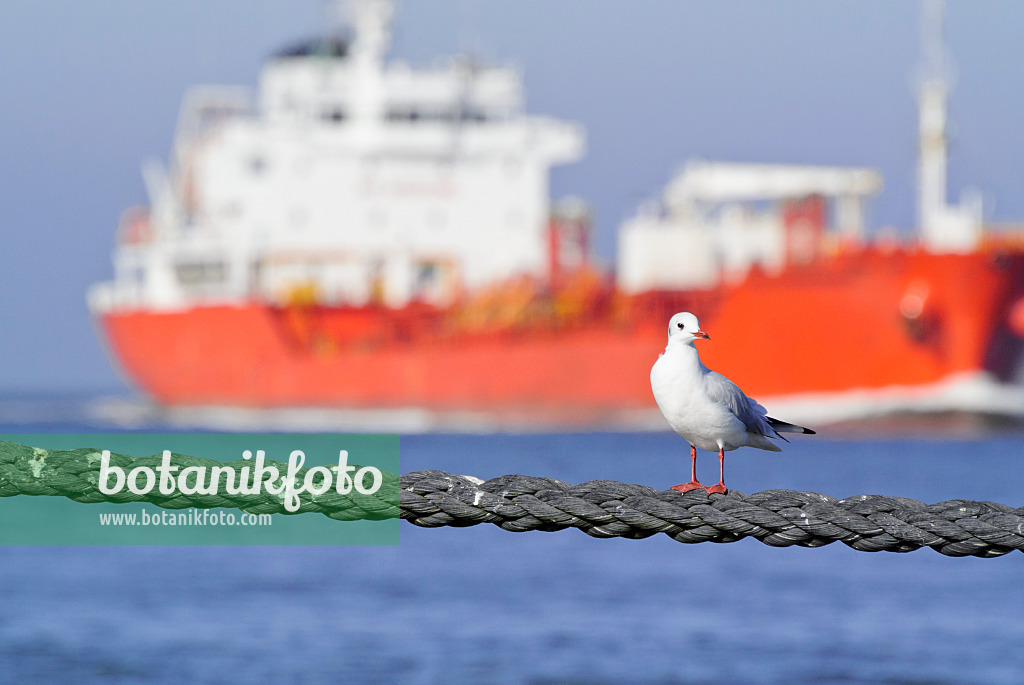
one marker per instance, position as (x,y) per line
(600,508)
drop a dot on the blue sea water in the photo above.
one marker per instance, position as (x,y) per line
(481,605)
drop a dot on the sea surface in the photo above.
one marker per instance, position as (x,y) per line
(481,605)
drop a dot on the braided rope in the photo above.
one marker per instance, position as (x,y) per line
(602,509)
(780,518)
(74,474)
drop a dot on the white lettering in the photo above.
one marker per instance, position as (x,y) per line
(326,478)
(202,480)
(344,485)
(133,479)
(199,483)
(166,474)
(291,493)
(258,479)
(378,479)
(105,472)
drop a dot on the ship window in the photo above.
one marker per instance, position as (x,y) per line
(472,115)
(400,114)
(430,282)
(196,273)
(335,114)
(427,275)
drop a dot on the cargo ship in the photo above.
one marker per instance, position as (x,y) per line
(363,233)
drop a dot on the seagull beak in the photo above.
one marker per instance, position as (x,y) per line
(701,334)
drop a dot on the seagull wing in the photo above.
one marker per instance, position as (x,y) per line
(753,416)
(783,427)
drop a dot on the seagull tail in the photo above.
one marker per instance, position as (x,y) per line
(783,427)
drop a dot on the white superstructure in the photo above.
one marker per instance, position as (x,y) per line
(717,220)
(347,179)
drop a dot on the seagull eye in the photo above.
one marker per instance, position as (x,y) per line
(679,325)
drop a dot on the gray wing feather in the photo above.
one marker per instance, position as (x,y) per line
(752,414)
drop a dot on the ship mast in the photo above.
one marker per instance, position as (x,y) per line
(944,227)
(371,20)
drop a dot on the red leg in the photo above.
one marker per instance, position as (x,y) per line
(693,484)
(721,474)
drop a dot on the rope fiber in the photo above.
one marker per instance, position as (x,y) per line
(599,508)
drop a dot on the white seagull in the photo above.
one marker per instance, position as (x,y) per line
(707,409)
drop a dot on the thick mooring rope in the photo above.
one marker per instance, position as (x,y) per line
(602,509)
(780,518)
(74,474)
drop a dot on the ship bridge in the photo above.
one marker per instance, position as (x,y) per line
(349,179)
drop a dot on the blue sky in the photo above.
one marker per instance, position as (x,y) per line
(92,89)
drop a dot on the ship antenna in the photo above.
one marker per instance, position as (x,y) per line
(936,62)
(371,20)
(932,93)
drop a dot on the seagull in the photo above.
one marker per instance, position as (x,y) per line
(707,409)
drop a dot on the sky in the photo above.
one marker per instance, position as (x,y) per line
(92,89)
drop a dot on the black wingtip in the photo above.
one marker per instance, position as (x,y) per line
(783,427)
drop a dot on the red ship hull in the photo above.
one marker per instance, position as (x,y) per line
(858,321)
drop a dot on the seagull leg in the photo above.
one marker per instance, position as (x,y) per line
(693,484)
(721,474)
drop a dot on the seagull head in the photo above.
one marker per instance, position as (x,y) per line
(685,328)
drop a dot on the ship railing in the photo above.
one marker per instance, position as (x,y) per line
(206,106)
(113,296)
(1003,236)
